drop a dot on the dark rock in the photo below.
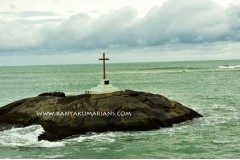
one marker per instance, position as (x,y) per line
(53,94)
(73,115)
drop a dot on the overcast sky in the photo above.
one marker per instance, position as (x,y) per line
(36,32)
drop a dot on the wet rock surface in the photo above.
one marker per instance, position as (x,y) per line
(64,116)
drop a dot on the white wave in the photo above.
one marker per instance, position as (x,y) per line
(221,141)
(224,107)
(108,137)
(229,67)
(53,156)
(221,114)
(25,137)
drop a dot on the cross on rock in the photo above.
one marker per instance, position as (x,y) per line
(104,65)
(104,86)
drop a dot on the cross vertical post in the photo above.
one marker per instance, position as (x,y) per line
(104,65)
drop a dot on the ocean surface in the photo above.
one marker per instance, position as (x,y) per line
(203,86)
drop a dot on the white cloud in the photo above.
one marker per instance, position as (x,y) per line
(175,22)
(15,37)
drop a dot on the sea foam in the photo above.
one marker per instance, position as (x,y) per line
(25,137)
(107,137)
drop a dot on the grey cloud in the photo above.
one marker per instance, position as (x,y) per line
(36,13)
(29,14)
(40,17)
(83,32)
(6,13)
(40,21)
(186,21)
(176,22)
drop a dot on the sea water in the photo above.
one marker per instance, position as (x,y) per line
(202,86)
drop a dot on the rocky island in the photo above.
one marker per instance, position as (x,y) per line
(102,108)
(64,116)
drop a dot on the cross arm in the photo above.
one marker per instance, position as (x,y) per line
(103,58)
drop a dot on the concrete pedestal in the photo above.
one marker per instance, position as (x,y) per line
(102,88)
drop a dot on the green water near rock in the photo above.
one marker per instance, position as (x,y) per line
(202,86)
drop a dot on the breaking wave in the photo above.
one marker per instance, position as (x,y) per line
(107,137)
(25,137)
